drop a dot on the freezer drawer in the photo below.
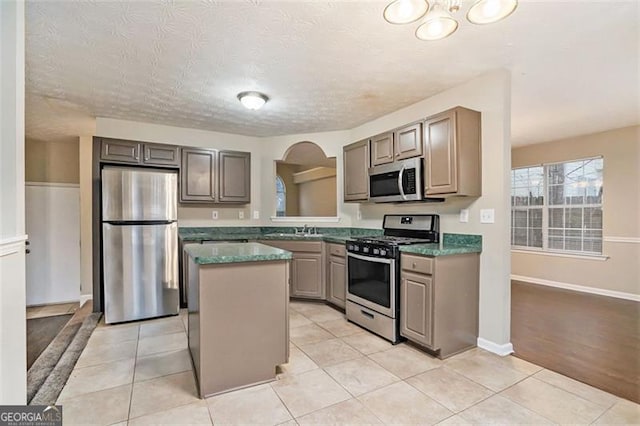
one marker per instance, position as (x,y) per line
(130,194)
(140,271)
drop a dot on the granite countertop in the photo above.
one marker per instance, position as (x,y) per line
(331,235)
(206,254)
(450,244)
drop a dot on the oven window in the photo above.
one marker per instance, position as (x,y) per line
(384,184)
(370,280)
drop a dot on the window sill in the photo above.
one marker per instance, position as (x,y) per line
(305,219)
(569,255)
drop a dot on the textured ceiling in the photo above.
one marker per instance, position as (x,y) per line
(325,65)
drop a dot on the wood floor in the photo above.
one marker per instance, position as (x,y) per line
(593,339)
(40,332)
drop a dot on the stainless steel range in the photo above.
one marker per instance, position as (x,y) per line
(373,271)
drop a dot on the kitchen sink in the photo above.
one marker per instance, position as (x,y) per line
(283,234)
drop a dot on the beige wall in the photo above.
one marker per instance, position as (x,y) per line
(318,197)
(55,162)
(86,225)
(621,220)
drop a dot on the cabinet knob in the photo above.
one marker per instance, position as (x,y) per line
(413,265)
(397,154)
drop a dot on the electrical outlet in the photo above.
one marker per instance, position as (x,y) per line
(464,215)
(241,214)
(256,214)
(214,214)
(487,216)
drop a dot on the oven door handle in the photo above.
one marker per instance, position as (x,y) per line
(400,188)
(371,259)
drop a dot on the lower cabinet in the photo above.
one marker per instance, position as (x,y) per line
(336,275)
(307,267)
(439,301)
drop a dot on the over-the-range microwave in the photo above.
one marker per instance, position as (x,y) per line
(398,181)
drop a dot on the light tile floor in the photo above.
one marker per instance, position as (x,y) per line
(141,373)
(51,310)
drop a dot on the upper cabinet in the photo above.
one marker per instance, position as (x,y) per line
(198,175)
(382,149)
(161,155)
(356,171)
(405,142)
(211,176)
(453,153)
(234,177)
(125,151)
(408,141)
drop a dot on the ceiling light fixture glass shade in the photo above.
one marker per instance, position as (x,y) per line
(405,11)
(252,100)
(489,11)
(438,24)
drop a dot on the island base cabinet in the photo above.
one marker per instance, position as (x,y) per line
(238,323)
(439,301)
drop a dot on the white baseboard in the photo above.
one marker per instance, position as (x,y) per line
(578,288)
(502,350)
(85,298)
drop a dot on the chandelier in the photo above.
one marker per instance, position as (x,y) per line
(438,21)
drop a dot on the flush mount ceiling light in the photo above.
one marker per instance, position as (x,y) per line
(252,100)
(438,22)
(405,11)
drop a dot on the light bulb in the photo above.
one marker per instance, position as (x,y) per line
(437,25)
(405,11)
(489,11)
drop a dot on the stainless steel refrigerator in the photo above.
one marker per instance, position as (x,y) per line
(139,243)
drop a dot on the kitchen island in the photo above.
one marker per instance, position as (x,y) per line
(238,322)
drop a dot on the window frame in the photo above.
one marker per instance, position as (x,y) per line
(546,210)
(284,191)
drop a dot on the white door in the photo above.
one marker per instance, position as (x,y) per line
(53,227)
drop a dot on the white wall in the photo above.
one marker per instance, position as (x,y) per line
(13,365)
(489,94)
(86,224)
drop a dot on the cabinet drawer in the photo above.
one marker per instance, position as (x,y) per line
(120,150)
(418,264)
(337,250)
(296,246)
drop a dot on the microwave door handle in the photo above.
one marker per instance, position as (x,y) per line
(400,176)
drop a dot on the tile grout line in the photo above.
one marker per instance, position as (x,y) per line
(133,379)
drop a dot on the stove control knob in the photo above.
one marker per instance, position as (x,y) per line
(349,246)
(383,252)
(356,248)
(365,249)
(376,251)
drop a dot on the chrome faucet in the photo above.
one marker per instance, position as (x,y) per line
(305,229)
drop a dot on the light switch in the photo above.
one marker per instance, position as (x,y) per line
(464,215)
(487,216)
(256,214)
(214,214)
(241,214)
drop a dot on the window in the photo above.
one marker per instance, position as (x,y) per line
(558,207)
(281,197)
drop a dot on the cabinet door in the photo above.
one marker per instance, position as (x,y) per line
(306,270)
(356,171)
(120,151)
(234,177)
(382,149)
(441,176)
(416,308)
(161,155)
(197,175)
(337,281)
(408,141)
